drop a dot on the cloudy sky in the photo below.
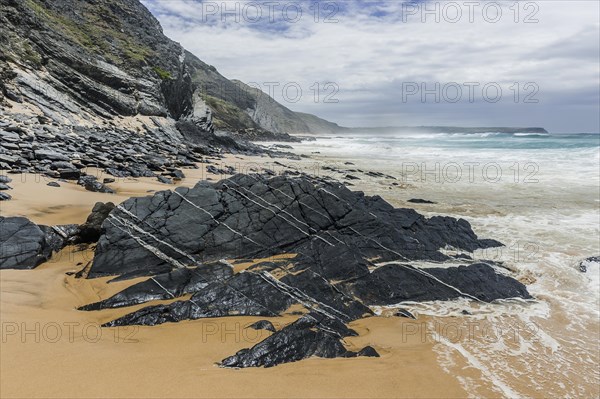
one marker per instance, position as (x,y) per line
(384,63)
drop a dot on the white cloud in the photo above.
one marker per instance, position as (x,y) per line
(371,51)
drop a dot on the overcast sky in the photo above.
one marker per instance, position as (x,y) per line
(383,63)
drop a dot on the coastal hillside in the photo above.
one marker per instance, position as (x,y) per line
(100,62)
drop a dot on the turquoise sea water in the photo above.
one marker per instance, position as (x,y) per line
(539,194)
(483,140)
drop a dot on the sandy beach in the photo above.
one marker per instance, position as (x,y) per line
(441,354)
(43,335)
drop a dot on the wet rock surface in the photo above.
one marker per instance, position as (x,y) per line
(308,336)
(23,244)
(346,253)
(263,325)
(91,230)
(420,201)
(26,245)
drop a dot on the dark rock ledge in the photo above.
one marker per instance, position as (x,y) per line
(26,245)
(340,238)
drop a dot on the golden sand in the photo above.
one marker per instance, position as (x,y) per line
(49,349)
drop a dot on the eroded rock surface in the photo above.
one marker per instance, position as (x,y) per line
(346,253)
(26,245)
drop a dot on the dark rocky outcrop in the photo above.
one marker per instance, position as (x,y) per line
(250,216)
(26,245)
(167,286)
(242,294)
(395,283)
(23,244)
(310,335)
(336,239)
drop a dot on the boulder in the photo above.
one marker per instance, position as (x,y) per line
(22,244)
(69,174)
(91,230)
(50,155)
(308,336)
(263,325)
(420,201)
(164,180)
(91,183)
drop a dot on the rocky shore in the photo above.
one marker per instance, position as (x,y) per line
(346,252)
(39,146)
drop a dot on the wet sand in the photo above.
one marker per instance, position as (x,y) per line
(49,349)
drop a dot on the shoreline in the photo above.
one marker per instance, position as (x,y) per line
(411,365)
(46,297)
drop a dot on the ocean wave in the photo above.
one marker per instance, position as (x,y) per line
(531,134)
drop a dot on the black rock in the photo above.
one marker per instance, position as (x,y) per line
(263,325)
(584,264)
(306,337)
(4,187)
(5,179)
(248,216)
(164,180)
(228,170)
(333,236)
(58,165)
(57,237)
(368,351)
(375,174)
(4,196)
(22,244)
(91,230)
(395,283)
(244,294)
(69,174)
(92,184)
(176,174)
(167,286)
(405,313)
(108,180)
(420,201)
(53,184)
(50,155)
(118,173)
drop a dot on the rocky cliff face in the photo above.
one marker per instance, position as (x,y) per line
(94,62)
